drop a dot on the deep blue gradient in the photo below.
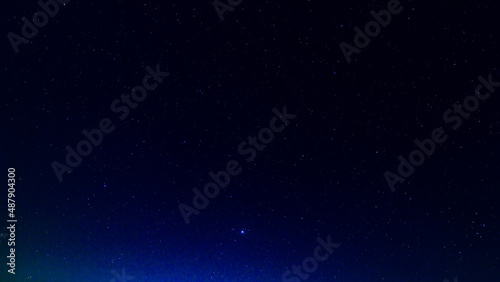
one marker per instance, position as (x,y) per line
(321,176)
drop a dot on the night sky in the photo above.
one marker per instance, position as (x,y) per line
(243,140)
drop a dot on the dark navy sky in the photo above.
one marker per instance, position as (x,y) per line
(229,82)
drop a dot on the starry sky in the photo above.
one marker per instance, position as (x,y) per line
(219,75)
